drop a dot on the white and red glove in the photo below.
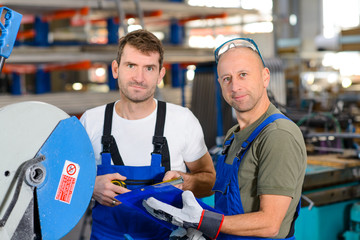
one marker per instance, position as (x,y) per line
(192,215)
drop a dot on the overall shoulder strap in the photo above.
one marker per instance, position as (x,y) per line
(160,119)
(107,140)
(159,141)
(245,145)
(227,145)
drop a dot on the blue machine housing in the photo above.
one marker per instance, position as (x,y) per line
(68,142)
(330,193)
(9,30)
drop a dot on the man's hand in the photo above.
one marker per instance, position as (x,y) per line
(200,179)
(174,174)
(105,191)
(192,215)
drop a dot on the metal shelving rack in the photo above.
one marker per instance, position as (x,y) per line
(105,54)
(106,9)
(166,12)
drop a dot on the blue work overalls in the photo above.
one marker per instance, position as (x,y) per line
(227,193)
(113,222)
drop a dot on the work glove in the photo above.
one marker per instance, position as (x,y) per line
(192,215)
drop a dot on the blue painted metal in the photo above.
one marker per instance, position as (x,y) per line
(324,222)
(176,33)
(328,221)
(42,32)
(219,114)
(350,235)
(177,73)
(112,82)
(113,31)
(210,200)
(183,85)
(42,81)
(313,169)
(16,84)
(178,80)
(8,30)
(354,232)
(68,142)
(355,215)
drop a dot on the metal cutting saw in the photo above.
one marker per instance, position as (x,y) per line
(47,171)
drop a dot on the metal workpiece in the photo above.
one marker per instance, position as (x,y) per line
(95,53)
(324,177)
(47,173)
(332,195)
(325,185)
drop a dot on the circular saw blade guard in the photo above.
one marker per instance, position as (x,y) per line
(62,182)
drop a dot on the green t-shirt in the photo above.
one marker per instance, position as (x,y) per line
(274,164)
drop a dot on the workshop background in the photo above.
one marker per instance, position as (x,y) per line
(64,49)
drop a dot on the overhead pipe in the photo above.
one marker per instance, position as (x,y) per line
(140,13)
(121,14)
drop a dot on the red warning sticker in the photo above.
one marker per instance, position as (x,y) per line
(67,182)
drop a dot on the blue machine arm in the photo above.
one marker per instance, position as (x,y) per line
(9,28)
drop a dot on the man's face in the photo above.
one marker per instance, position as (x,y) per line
(137,74)
(242,78)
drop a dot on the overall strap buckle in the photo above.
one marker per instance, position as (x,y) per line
(158,142)
(106,141)
(227,145)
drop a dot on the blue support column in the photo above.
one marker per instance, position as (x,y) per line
(183,84)
(219,115)
(42,82)
(112,82)
(16,84)
(177,73)
(41,32)
(178,79)
(18,43)
(176,76)
(113,31)
(176,33)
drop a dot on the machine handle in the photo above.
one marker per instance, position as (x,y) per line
(9,27)
(311,203)
(22,169)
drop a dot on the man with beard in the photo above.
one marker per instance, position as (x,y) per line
(139,141)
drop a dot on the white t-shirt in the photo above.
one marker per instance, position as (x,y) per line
(134,137)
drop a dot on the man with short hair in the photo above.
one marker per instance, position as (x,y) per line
(260,174)
(139,141)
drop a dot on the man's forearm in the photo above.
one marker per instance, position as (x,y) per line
(264,223)
(200,183)
(202,176)
(249,224)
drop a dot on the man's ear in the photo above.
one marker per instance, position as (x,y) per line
(266,77)
(161,75)
(115,69)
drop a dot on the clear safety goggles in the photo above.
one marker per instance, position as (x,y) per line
(237,42)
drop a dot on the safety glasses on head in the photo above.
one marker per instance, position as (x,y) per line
(237,42)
